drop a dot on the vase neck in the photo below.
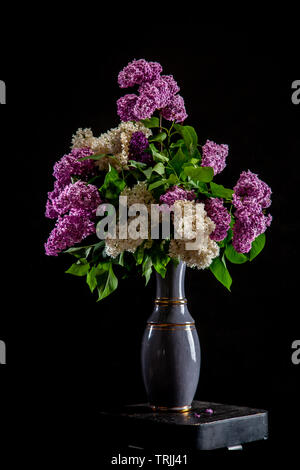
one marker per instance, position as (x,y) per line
(170,305)
(172,285)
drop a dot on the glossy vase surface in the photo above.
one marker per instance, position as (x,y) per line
(170,346)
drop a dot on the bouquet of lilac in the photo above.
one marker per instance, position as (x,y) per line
(149,183)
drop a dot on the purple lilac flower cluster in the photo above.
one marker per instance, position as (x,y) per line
(175,193)
(214,155)
(137,146)
(70,229)
(220,216)
(77,197)
(138,72)
(70,165)
(251,196)
(74,205)
(156,91)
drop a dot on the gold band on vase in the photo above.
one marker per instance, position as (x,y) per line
(171,326)
(177,409)
(170,301)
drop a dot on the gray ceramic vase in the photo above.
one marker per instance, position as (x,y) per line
(170,346)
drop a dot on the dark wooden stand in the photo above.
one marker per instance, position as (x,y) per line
(228,427)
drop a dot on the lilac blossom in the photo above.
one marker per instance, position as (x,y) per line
(138,143)
(138,72)
(144,107)
(156,92)
(251,196)
(214,155)
(175,110)
(250,188)
(70,229)
(125,107)
(137,146)
(175,193)
(78,203)
(220,216)
(70,165)
(247,229)
(160,91)
(77,196)
(50,211)
(172,84)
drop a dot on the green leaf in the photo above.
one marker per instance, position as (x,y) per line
(76,249)
(97,246)
(147,268)
(159,168)
(88,251)
(178,161)
(121,259)
(257,245)
(177,144)
(189,136)
(96,156)
(160,261)
(193,139)
(84,251)
(79,269)
(139,255)
(158,157)
(201,187)
(203,174)
(218,190)
(197,154)
(91,279)
(235,257)
(148,173)
(107,282)
(159,257)
(159,137)
(173,179)
(220,271)
(112,185)
(151,122)
(139,165)
(194,161)
(156,184)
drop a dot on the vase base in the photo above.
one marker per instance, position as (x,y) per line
(178,409)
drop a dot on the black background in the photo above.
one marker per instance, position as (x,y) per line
(67,355)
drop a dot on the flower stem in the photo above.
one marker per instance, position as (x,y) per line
(160,129)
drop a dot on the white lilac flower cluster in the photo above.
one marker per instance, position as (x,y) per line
(192,218)
(139,194)
(113,142)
